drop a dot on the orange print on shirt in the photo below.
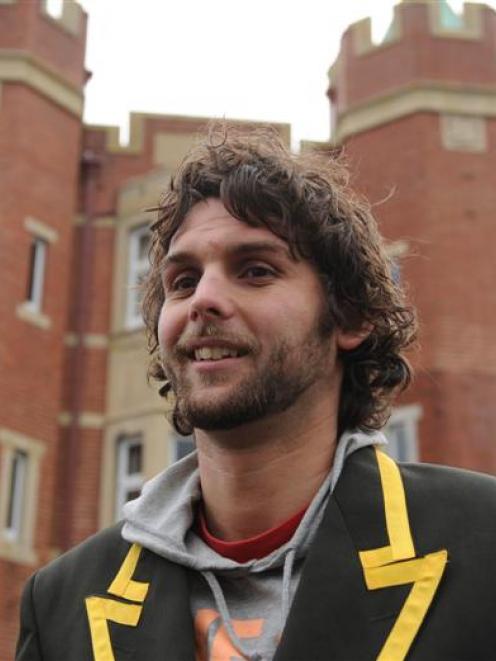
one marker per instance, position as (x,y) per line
(220,647)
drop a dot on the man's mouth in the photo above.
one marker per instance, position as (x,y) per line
(215,353)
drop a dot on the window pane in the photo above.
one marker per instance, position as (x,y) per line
(134,458)
(138,267)
(36,272)
(143,240)
(16,495)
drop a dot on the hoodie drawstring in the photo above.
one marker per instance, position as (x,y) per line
(286,585)
(225,617)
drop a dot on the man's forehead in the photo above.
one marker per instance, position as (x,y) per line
(209,221)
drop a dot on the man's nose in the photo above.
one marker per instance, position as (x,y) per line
(212,298)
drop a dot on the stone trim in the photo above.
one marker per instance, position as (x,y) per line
(40,229)
(24,68)
(104,222)
(426,97)
(25,312)
(90,340)
(86,420)
(20,550)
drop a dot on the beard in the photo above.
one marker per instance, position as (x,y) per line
(291,368)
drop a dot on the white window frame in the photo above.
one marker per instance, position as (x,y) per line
(406,417)
(125,481)
(38,256)
(19,482)
(16,495)
(137,268)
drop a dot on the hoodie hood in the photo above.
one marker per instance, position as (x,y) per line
(162,518)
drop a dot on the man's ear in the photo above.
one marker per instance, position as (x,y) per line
(351,339)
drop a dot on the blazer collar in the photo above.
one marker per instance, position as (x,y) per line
(363,593)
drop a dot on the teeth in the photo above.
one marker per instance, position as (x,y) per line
(215,353)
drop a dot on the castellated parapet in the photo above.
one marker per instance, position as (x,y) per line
(431,59)
(43,52)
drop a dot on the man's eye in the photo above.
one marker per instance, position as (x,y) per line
(183,283)
(258,271)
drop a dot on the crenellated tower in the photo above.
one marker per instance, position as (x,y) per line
(41,99)
(416,115)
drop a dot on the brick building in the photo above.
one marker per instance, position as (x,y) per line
(79,428)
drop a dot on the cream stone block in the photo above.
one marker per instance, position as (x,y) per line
(40,229)
(26,312)
(463,133)
(169,149)
(128,390)
(141,193)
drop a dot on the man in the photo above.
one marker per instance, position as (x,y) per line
(275,326)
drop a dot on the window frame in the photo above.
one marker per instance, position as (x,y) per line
(126,482)
(17,528)
(407,417)
(137,268)
(16,495)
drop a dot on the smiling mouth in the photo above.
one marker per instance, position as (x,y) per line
(216,353)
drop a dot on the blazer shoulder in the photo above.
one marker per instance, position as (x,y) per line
(94,562)
(454,484)
(451,505)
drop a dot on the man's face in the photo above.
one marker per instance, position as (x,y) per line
(242,330)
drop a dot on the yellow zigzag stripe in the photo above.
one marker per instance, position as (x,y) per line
(425,574)
(123,584)
(100,609)
(382,567)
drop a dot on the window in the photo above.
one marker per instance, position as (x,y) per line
(402,433)
(19,479)
(37,262)
(16,496)
(137,269)
(183,445)
(129,470)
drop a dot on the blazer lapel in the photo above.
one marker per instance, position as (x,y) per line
(328,618)
(145,613)
(364,593)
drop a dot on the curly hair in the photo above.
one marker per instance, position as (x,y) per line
(306,200)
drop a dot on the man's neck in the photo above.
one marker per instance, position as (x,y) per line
(256,476)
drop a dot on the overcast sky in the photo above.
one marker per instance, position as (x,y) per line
(262,59)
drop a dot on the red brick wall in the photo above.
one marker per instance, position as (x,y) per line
(443,205)
(39,163)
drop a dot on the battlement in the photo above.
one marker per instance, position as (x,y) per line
(42,52)
(170,135)
(72,18)
(443,22)
(428,49)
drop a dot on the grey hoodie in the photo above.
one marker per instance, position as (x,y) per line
(238,609)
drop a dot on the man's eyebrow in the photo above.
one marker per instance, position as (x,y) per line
(238,249)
